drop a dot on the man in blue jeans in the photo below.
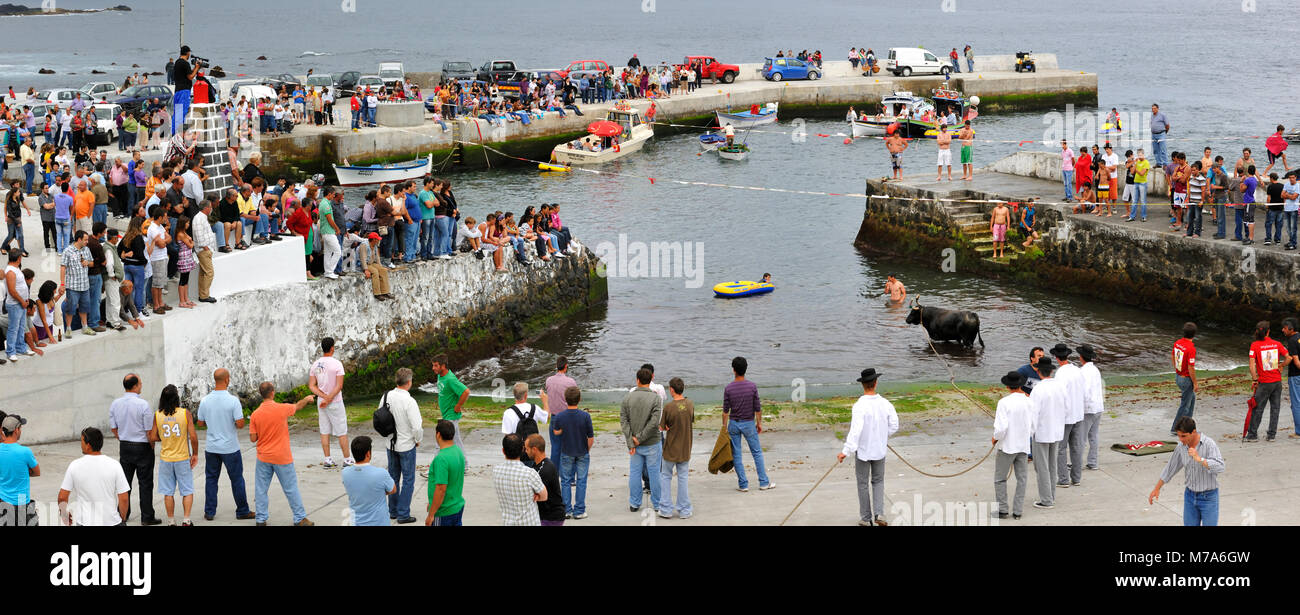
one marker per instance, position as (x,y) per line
(1184,360)
(268,427)
(573,429)
(183,74)
(223,415)
(639,418)
(742,415)
(1202,463)
(1159,130)
(1290,207)
(1291,333)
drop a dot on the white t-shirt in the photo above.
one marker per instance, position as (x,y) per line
(278,112)
(509,421)
(1112,160)
(156,230)
(327,371)
(94,482)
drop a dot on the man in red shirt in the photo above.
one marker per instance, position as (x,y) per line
(1266,357)
(1184,358)
(268,427)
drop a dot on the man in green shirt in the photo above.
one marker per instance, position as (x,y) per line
(428,203)
(329,231)
(451,397)
(447,476)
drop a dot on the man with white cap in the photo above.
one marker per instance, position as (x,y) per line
(1070,472)
(874,420)
(1013,424)
(1048,400)
(1094,402)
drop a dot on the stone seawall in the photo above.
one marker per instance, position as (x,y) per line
(1161,271)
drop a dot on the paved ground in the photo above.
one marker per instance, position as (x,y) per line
(1259,486)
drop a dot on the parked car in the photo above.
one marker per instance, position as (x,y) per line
(134,98)
(904,61)
(252,92)
(106,130)
(320,80)
(347,81)
(455,70)
(373,82)
(283,79)
(711,68)
(583,68)
(98,91)
(392,73)
(777,69)
(234,87)
(492,70)
(57,96)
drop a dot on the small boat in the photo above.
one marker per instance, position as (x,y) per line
(711,141)
(623,131)
(915,116)
(739,151)
(742,288)
(553,168)
(349,175)
(756,116)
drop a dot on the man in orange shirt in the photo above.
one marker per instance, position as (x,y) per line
(268,427)
(83,206)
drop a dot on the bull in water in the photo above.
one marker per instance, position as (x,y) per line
(946,325)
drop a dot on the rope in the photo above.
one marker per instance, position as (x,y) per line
(805,496)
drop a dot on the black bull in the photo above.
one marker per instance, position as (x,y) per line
(947,325)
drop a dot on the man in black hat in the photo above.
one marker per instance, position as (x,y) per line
(1094,402)
(1070,471)
(1012,426)
(874,420)
(1048,400)
(17,467)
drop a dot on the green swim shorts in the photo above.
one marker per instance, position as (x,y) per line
(965,154)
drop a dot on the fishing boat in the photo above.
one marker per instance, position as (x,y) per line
(351,175)
(623,131)
(915,116)
(711,141)
(756,116)
(739,151)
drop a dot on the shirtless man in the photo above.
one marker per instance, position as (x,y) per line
(945,153)
(967,138)
(998,223)
(1027,224)
(897,292)
(896,145)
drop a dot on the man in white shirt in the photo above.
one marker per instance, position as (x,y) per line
(522,410)
(1094,401)
(1112,175)
(205,242)
(1013,424)
(401,453)
(326,383)
(98,484)
(1070,471)
(874,420)
(192,186)
(1048,401)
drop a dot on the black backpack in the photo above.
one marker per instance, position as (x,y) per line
(384,422)
(527,424)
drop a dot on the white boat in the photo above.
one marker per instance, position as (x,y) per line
(711,141)
(383,173)
(622,132)
(756,116)
(867,129)
(738,151)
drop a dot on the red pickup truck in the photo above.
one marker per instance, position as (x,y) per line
(711,68)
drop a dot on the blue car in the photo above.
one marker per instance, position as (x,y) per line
(776,69)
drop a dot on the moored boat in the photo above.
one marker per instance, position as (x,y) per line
(755,116)
(739,151)
(916,117)
(711,141)
(351,175)
(623,131)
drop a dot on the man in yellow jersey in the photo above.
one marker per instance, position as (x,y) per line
(173,427)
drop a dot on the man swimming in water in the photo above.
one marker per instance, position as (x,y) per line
(897,292)
(767,278)
(895,144)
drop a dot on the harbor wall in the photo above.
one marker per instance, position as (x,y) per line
(271,330)
(1166,272)
(313,149)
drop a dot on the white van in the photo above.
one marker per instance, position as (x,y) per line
(392,73)
(903,61)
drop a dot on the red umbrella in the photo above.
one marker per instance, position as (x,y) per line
(605,128)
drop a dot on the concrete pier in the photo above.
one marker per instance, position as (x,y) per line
(1136,263)
(314,149)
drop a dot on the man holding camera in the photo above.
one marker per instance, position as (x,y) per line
(183,74)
